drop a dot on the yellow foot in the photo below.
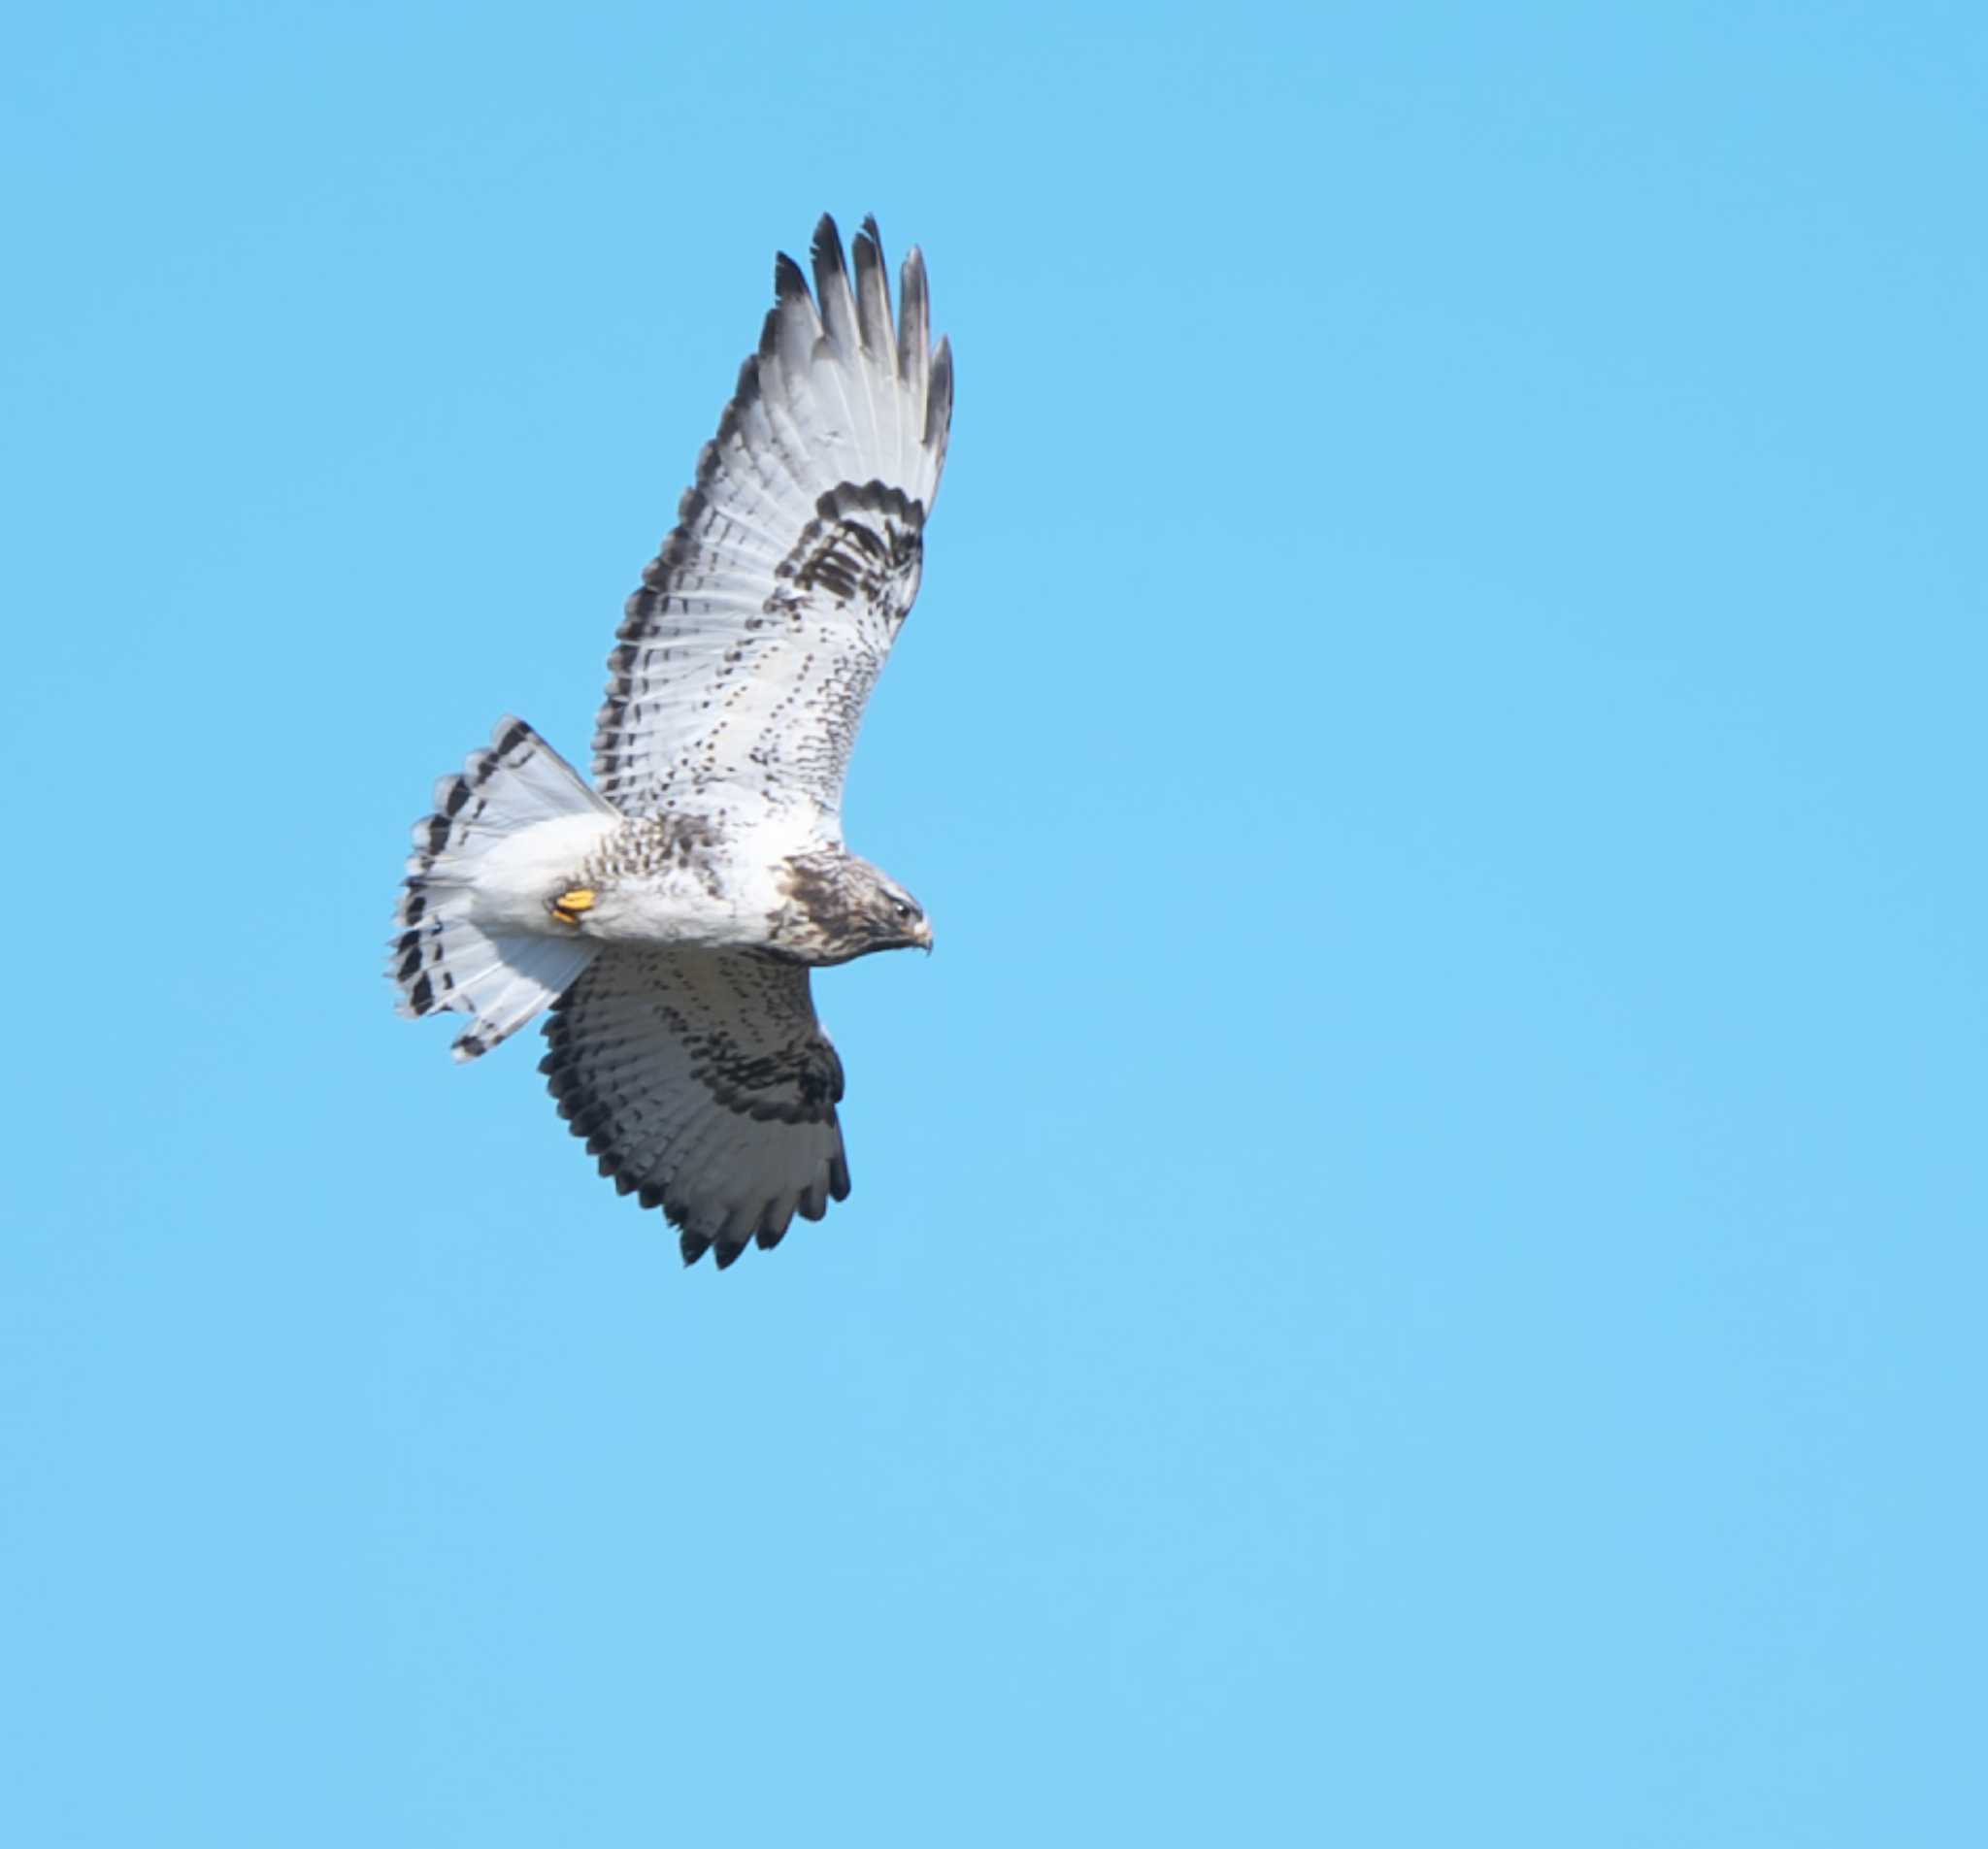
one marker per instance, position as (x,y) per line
(568,906)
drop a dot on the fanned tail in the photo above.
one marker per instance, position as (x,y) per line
(443,957)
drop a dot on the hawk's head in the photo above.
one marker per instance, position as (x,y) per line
(839,908)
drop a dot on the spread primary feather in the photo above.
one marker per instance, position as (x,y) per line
(669,916)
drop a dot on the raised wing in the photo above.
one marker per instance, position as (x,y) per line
(705,1084)
(746,656)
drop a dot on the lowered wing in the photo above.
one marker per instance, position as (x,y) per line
(702,1082)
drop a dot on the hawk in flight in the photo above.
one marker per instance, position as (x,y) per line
(669,915)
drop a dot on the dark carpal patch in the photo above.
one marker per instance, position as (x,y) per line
(865,542)
(800,1084)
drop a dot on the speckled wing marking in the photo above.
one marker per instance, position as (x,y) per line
(747,655)
(705,1084)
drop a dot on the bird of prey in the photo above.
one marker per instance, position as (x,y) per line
(668,916)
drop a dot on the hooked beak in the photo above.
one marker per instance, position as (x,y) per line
(923,937)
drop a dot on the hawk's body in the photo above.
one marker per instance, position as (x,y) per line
(669,916)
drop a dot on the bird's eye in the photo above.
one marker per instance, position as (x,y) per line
(904,911)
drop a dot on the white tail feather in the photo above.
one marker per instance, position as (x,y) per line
(450,953)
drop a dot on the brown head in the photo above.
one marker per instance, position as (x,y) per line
(838,907)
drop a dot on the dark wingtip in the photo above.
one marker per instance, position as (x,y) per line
(693,1248)
(827,247)
(787,280)
(728,1255)
(939,399)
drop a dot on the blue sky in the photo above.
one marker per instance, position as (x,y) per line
(1415,1263)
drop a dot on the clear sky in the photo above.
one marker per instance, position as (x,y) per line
(1415,1269)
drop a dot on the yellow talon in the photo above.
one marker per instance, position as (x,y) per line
(568,906)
